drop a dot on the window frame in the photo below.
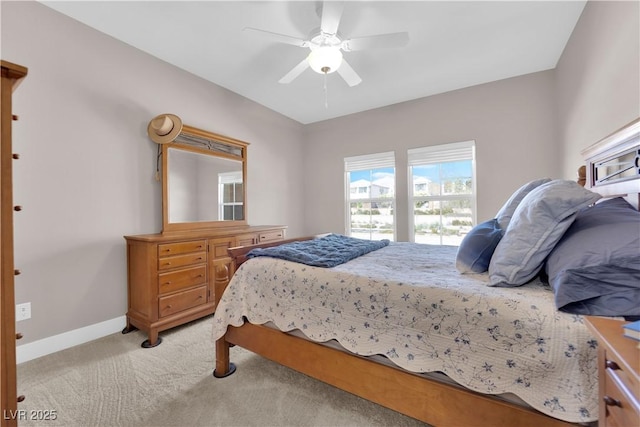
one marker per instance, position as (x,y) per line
(233,179)
(369,162)
(437,155)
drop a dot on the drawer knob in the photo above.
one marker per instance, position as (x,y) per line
(610,401)
(610,364)
(19,336)
(21,398)
(16,272)
(15,156)
(14,117)
(17,208)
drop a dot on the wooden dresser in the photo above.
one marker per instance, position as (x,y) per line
(173,278)
(12,75)
(618,374)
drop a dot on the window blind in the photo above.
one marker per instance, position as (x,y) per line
(453,152)
(370,161)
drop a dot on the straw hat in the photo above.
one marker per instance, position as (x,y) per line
(164,128)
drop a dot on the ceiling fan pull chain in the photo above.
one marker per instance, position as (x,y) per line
(326,98)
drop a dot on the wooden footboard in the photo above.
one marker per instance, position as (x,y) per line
(425,399)
(238,255)
(428,400)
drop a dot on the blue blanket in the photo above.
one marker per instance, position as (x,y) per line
(327,251)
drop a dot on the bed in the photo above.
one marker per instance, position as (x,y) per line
(402,325)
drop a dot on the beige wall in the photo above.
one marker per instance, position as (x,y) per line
(512,121)
(598,77)
(86,172)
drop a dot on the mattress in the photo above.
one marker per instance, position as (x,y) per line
(408,303)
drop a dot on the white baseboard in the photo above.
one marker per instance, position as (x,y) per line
(49,345)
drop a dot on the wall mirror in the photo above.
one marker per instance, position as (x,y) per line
(203,181)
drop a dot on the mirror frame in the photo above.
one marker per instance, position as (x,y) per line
(169,227)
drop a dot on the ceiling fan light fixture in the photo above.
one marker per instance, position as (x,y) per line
(325,59)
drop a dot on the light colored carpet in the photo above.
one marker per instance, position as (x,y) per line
(114,382)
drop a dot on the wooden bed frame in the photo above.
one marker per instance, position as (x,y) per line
(426,399)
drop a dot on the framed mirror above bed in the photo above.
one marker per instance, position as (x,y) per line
(203,181)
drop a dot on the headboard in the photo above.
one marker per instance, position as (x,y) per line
(612,165)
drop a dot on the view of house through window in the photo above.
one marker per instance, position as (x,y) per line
(442,192)
(442,195)
(370,191)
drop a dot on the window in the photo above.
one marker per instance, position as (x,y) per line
(231,196)
(442,193)
(370,189)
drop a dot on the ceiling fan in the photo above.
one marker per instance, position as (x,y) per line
(326,45)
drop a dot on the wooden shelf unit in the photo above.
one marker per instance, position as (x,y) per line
(12,75)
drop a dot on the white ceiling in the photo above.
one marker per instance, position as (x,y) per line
(453,44)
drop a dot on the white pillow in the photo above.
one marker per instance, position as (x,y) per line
(506,212)
(538,223)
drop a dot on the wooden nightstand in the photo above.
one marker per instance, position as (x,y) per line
(618,373)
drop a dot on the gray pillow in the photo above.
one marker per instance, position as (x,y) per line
(506,212)
(595,268)
(537,225)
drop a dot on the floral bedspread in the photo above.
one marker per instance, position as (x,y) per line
(408,302)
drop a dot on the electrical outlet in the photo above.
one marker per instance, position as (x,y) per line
(23,311)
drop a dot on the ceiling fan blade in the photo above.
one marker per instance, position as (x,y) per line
(282,38)
(331,14)
(347,73)
(295,72)
(379,41)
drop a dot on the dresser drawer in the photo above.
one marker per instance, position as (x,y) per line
(271,236)
(627,378)
(182,248)
(620,394)
(177,302)
(218,247)
(621,406)
(180,279)
(246,240)
(171,262)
